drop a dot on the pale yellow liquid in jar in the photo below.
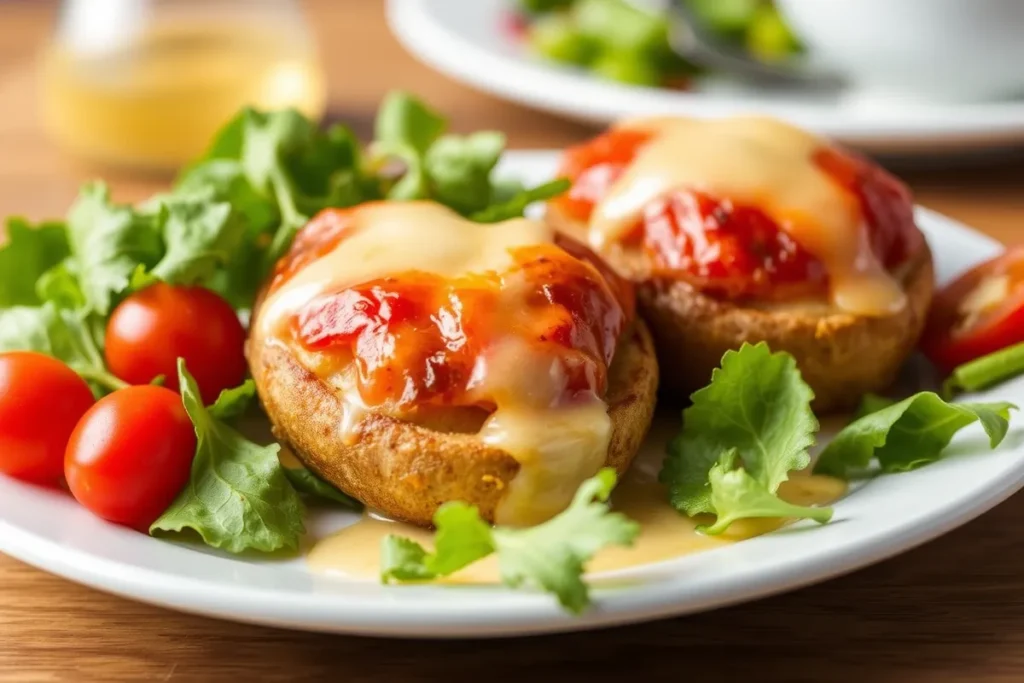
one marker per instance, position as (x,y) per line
(354,552)
(155,100)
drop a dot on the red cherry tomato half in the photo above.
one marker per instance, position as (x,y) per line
(41,401)
(130,455)
(151,329)
(980,312)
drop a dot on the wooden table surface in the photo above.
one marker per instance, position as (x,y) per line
(952,610)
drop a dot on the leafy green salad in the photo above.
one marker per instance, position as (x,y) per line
(620,41)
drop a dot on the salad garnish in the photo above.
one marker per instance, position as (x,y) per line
(909,434)
(238,497)
(743,435)
(550,556)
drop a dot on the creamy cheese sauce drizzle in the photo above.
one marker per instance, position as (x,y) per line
(766,163)
(557,446)
(354,552)
(394,237)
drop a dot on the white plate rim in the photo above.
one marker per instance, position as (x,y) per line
(78,547)
(489,63)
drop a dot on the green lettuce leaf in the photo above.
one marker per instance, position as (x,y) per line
(515,205)
(736,495)
(59,286)
(909,434)
(287,159)
(108,242)
(758,404)
(406,129)
(65,334)
(742,436)
(238,497)
(317,490)
(459,169)
(200,236)
(232,403)
(226,180)
(29,253)
(550,556)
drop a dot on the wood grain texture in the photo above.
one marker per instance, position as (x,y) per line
(952,610)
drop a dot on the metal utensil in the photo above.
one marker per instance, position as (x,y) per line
(693,42)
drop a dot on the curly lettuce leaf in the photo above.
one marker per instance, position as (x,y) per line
(29,253)
(67,335)
(550,556)
(736,495)
(758,404)
(200,236)
(108,243)
(238,497)
(742,436)
(909,434)
(455,170)
(232,403)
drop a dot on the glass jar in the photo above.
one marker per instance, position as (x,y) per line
(146,83)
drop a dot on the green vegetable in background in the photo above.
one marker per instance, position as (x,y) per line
(626,66)
(238,497)
(909,434)
(742,436)
(620,41)
(768,37)
(557,37)
(618,25)
(726,17)
(550,556)
(541,6)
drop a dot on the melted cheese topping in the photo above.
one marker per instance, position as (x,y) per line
(557,446)
(766,163)
(394,237)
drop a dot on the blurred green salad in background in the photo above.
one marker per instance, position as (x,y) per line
(620,41)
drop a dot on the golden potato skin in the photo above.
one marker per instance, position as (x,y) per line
(841,356)
(407,471)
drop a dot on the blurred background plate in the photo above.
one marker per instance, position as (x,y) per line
(470,42)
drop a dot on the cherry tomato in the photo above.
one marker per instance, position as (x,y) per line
(41,401)
(980,312)
(130,455)
(151,329)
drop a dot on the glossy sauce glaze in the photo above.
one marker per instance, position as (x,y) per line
(746,208)
(410,310)
(354,552)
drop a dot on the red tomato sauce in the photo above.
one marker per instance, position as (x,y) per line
(735,250)
(422,339)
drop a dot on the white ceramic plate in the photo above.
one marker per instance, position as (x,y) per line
(465,40)
(881,518)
